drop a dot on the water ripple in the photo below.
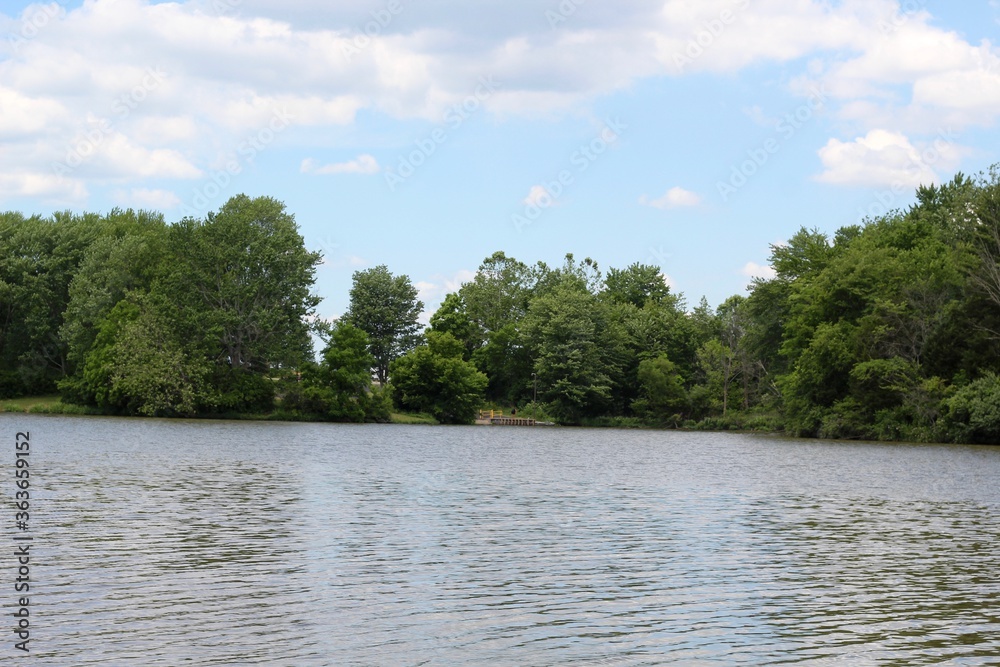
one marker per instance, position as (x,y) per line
(198,543)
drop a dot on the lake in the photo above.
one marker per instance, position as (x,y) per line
(161,542)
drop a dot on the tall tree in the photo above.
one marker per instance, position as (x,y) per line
(637,284)
(499,293)
(453,317)
(38,259)
(562,332)
(340,387)
(247,270)
(434,378)
(386,308)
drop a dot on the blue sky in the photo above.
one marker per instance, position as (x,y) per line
(425,135)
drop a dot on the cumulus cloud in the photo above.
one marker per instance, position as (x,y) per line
(148,198)
(228,66)
(345,262)
(433,290)
(754,270)
(883,157)
(675,197)
(46,186)
(538,196)
(363,164)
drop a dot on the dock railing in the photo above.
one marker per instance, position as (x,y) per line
(497,418)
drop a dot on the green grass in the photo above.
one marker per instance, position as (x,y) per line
(412,418)
(31,404)
(52,405)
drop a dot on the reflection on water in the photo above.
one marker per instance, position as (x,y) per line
(205,543)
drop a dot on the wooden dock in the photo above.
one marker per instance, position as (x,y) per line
(511,421)
(497,418)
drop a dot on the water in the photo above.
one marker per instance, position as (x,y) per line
(219,543)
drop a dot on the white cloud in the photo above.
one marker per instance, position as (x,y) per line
(119,156)
(24,115)
(432,291)
(228,67)
(915,75)
(754,270)
(344,262)
(885,158)
(539,196)
(363,164)
(675,197)
(45,185)
(148,198)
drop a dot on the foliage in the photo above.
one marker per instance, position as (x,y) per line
(661,388)
(561,332)
(638,284)
(386,308)
(340,387)
(433,378)
(452,317)
(888,329)
(246,273)
(973,413)
(186,319)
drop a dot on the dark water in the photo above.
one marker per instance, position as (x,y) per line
(212,543)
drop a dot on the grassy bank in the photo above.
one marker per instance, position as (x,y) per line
(53,405)
(412,418)
(734,421)
(45,405)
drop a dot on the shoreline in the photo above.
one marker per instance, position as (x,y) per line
(52,406)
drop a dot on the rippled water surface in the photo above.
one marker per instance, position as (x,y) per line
(217,543)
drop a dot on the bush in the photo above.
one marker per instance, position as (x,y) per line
(434,378)
(240,391)
(11,385)
(845,420)
(973,414)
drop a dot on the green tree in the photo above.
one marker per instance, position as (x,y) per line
(973,413)
(245,273)
(562,333)
(434,378)
(386,308)
(452,317)
(341,386)
(661,389)
(128,256)
(38,259)
(498,294)
(140,365)
(638,284)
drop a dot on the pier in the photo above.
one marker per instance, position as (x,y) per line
(497,418)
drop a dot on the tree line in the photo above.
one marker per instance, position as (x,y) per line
(884,330)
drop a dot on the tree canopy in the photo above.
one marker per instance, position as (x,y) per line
(888,329)
(386,308)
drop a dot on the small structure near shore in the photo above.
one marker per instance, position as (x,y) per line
(497,418)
